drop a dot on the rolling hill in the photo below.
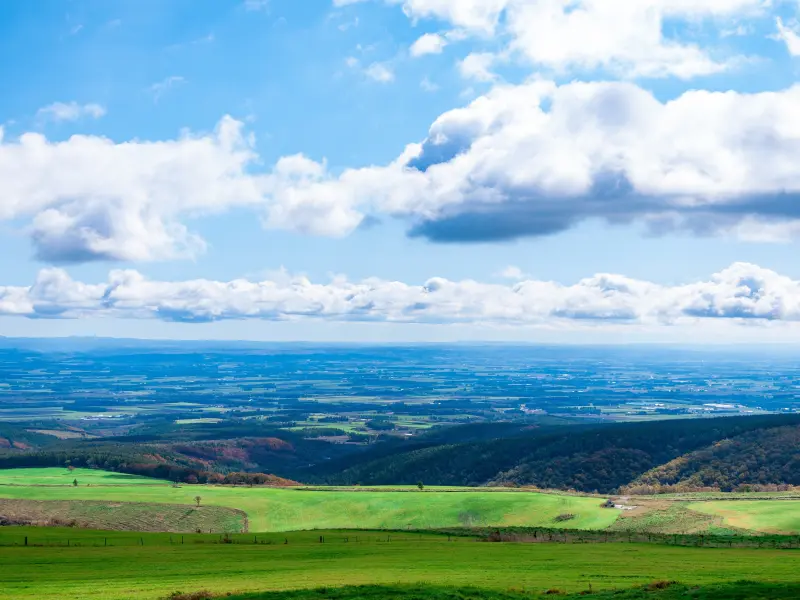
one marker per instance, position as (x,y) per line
(752,461)
(589,458)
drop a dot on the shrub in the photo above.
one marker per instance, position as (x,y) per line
(564,517)
(661,585)
(201,595)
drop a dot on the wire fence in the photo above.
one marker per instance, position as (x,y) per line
(508,535)
(117,540)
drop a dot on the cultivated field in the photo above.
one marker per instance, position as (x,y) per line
(156,568)
(123,516)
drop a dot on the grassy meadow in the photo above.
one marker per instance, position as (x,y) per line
(65,477)
(389,507)
(277,509)
(71,563)
(156,568)
(756,515)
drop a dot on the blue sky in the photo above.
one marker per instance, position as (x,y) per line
(557,167)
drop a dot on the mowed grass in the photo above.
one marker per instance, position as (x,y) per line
(272,509)
(65,477)
(778,516)
(154,571)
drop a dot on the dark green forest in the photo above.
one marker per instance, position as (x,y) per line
(729,453)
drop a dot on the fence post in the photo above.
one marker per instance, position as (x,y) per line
(141,541)
(105,541)
(26,540)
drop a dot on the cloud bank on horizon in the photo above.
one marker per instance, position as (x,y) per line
(742,292)
(570,125)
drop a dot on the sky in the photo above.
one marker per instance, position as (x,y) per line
(401,170)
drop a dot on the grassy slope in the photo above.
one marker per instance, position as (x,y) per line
(153,571)
(64,477)
(270,509)
(124,516)
(668,518)
(759,515)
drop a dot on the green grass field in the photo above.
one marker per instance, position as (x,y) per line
(401,507)
(154,570)
(757,515)
(65,477)
(271,509)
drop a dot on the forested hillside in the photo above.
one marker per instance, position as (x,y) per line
(752,461)
(691,454)
(599,458)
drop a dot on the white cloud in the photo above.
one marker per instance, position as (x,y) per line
(429,43)
(89,198)
(741,293)
(524,160)
(256,5)
(789,35)
(380,72)
(512,272)
(477,66)
(538,158)
(428,85)
(70,111)
(162,87)
(625,37)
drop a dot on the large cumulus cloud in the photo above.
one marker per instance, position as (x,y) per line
(91,198)
(523,160)
(538,158)
(742,293)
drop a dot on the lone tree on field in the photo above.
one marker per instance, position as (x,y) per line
(197,500)
(74,483)
(420,486)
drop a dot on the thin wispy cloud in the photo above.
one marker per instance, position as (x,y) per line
(162,87)
(70,111)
